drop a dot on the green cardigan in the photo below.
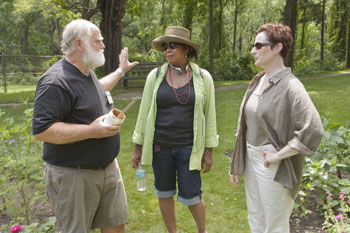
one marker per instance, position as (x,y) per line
(204,120)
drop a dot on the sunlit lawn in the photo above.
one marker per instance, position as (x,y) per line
(17,94)
(331,97)
(26,93)
(226,210)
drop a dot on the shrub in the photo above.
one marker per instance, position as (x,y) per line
(311,65)
(240,67)
(46,226)
(325,170)
(23,79)
(337,220)
(21,182)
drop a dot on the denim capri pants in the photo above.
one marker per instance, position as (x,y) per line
(171,163)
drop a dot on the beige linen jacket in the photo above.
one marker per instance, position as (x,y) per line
(288,116)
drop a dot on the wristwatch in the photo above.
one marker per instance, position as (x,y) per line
(119,70)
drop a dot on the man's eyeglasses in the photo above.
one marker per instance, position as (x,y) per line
(171,45)
(259,45)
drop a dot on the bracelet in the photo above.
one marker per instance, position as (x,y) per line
(207,152)
(119,70)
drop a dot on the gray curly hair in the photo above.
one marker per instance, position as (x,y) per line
(79,28)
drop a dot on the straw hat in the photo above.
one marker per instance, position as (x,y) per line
(175,34)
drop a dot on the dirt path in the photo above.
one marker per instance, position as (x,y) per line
(132,94)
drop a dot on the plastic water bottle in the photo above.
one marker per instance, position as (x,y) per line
(141,178)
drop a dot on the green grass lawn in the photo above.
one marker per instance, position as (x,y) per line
(26,93)
(331,97)
(225,204)
(17,94)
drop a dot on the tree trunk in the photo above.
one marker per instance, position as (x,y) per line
(85,10)
(111,28)
(219,28)
(343,28)
(52,29)
(163,16)
(240,43)
(290,19)
(348,49)
(211,37)
(188,16)
(25,39)
(59,36)
(340,30)
(235,28)
(322,30)
(302,36)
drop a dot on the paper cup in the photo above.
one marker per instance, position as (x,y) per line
(112,119)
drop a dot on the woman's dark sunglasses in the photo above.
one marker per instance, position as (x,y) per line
(171,45)
(259,45)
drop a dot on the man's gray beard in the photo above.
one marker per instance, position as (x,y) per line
(92,58)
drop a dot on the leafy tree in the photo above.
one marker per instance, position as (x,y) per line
(7,29)
(86,8)
(225,29)
(338,27)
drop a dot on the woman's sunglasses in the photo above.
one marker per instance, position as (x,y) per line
(259,45)
(171,45)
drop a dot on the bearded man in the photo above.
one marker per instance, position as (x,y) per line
(83,180)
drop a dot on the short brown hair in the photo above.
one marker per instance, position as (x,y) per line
(278,33)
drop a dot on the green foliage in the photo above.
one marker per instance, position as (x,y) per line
(339,13)
(21,167)
(23,79)
(323,172)
(47,226)
(35,27)
(306,65)
(337,219)
(234,68)
(28,26)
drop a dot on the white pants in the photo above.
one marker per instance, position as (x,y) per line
(269,203)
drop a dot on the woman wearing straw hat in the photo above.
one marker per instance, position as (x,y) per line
(176,126)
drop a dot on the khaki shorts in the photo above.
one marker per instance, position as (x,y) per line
(85,199)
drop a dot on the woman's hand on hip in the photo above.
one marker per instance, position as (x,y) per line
(275,156)
(270,157)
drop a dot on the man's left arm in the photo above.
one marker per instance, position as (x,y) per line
(108,82)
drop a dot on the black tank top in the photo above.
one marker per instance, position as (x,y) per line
(174,121)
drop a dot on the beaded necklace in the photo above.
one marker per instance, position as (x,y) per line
(186,89)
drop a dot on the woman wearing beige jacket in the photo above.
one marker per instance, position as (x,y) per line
(278,126)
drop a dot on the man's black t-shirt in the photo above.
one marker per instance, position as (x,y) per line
(64,94)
